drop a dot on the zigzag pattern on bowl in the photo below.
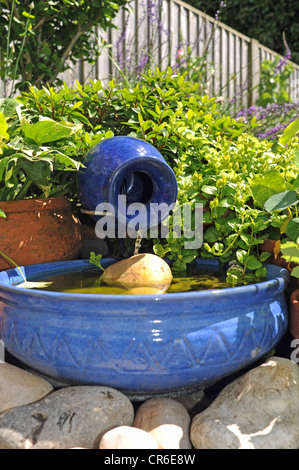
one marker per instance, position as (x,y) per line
(196,350)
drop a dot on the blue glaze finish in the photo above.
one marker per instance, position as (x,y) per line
(130,167)
(140,344)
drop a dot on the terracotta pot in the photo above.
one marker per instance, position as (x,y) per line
(39,231)
(269,245)
(294,313)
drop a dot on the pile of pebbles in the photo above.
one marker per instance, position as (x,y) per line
(258,409)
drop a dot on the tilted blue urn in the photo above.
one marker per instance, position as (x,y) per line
(131,168)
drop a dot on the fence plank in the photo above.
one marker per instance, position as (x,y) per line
(217,55)
(193,34)
(103,64)
(246,79)
(231,65)
(165,34)
(174,30)
(254,67)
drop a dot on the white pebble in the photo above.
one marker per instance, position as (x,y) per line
(126,437)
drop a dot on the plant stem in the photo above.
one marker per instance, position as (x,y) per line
(19,55)
(7,43)
(23,191)
(9,28)
(12,262)
(120,70)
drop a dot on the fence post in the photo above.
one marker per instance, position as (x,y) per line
(253,71)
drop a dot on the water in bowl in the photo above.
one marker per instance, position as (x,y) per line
(88,281)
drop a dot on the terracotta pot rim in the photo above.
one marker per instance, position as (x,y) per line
(294,296)
(32,205)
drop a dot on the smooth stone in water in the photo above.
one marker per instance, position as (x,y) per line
(67,418)
(19,387)
(127,437)
(259,410)
(166,420)
(144,271)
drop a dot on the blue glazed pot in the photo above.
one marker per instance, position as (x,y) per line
(143,345)
(128,167)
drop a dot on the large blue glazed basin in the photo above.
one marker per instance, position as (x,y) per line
(143,344)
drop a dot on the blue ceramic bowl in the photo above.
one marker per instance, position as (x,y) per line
(145,344)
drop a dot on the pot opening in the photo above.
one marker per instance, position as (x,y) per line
(137,187)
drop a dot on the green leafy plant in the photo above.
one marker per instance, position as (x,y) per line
(43,138)
(290,252)
(96,260)
(278,192)
(289,133)
(274,82)
(216,163)
(216,159)
(39,40)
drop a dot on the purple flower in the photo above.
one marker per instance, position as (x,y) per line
(222,5)
(142,63)
(286,57)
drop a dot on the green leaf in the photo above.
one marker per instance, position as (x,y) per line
(281,201)
(233,278)
(2,214)
(295,271)
(46,130)
(66,160)
(3,127)
(261,272)
(190,113)
(96,260)
(34,285)
(26,284)
(265,186)
(253,122)
(81,118)
(140,119)
(38,171)
(241,256)
(209,190)
(296,182)
(207,218)
(211,235)
(8,106)
(290,251)
(3,165)
(289,132)
(27,15)
(189,255)
(293,229)
(179,265)
(296,158)
(253,263)
(77,105)
(160,250)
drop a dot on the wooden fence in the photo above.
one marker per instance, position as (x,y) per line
(160,28)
